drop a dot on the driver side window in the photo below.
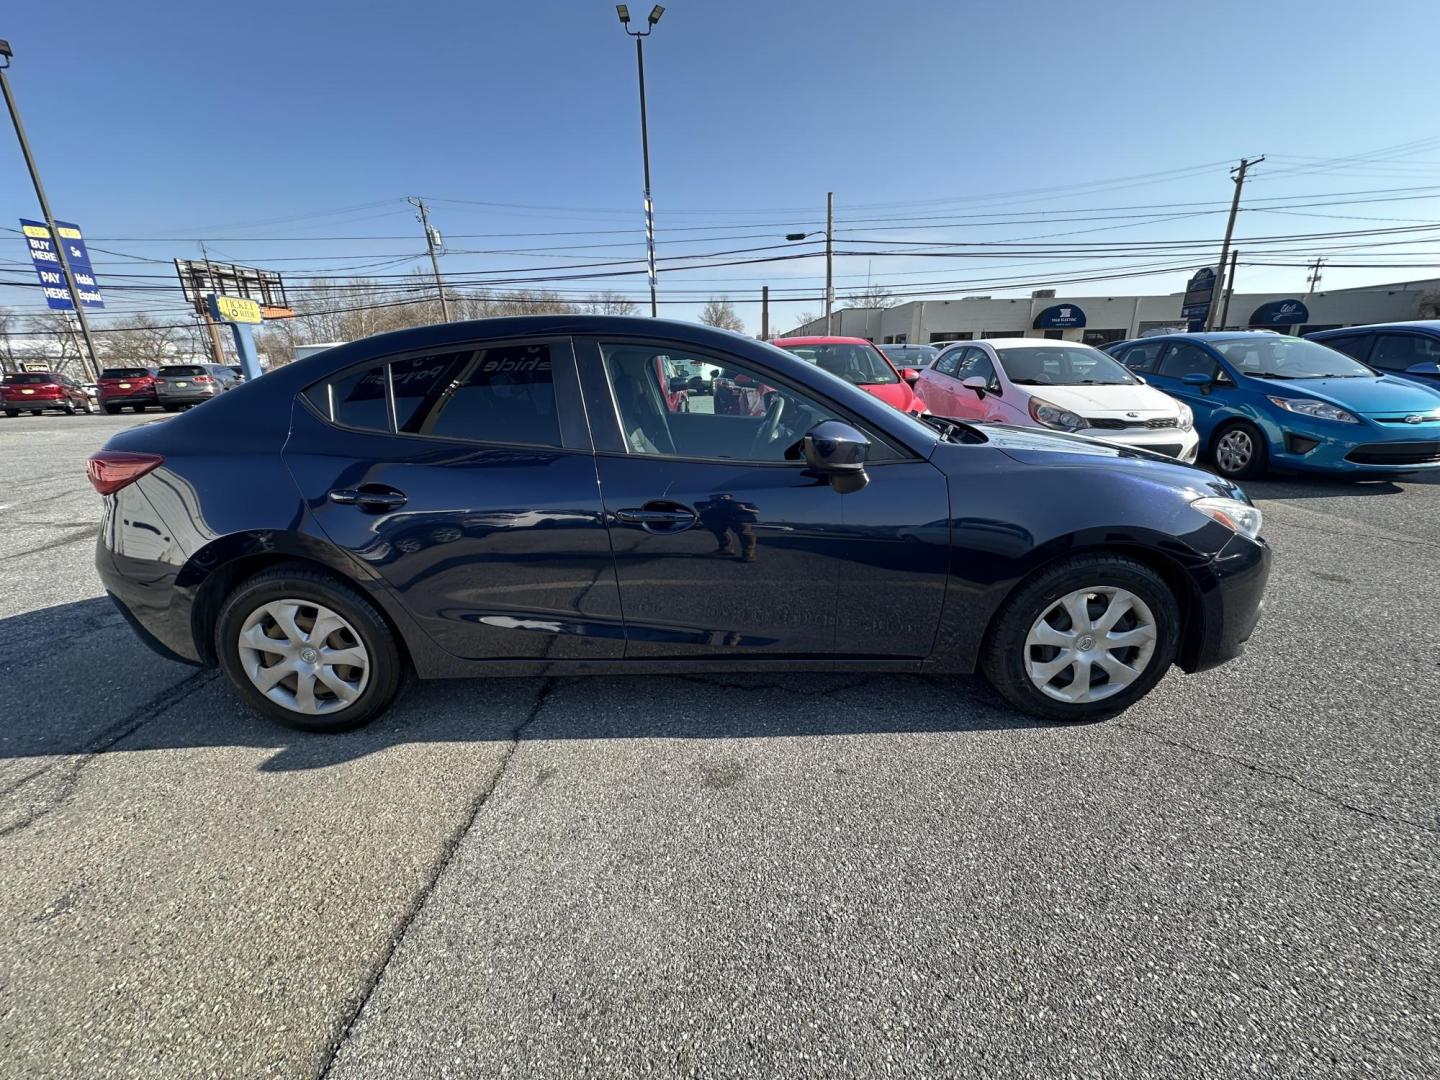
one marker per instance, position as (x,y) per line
(726,410)
(977,362)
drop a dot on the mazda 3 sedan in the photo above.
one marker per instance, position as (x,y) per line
(523,497)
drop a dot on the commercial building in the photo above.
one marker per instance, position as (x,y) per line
(1097,320)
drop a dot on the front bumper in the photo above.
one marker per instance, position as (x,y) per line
(1172,442)
(1373,447)
(1232,594)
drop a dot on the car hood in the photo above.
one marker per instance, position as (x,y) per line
(1385,394)
(1032,446)
(897,394)
(1107,400)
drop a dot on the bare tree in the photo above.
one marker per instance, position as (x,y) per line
(721,313)
(608,303)
(9,345)
(145,342)
(63,350)
(872,296)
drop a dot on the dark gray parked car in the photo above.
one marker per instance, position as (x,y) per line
(178,385)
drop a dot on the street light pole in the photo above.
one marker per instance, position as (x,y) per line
(5,55)
(623,11)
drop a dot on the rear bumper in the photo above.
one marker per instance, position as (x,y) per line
(154,643)
(34,404)
(1231,602)
(186,396)
(129,399)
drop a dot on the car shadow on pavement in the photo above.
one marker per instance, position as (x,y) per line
(1326,487)
(112,694)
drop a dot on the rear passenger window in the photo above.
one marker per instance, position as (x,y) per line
(1352,345)
(357,399)
(1140,357)
(503,394)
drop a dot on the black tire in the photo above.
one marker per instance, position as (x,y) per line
(172,408)
(387,665)
(1259,458)
(112,409)
(1004,653)
(12,413)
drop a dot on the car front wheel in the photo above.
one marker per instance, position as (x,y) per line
(1083,640)
(1240,452)
(307,651)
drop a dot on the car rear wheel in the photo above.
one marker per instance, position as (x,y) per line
(307,651)
(12,413)
(112,409)
(1083,640)
(172,408)
(1239,452)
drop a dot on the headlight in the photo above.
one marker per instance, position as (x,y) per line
(1052,416)
(1187,417)
(1233,514)
(1310,407)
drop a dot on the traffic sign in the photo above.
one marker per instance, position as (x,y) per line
(48,268)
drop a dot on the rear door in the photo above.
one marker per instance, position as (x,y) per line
(937,386)
(727,544)
(464,475)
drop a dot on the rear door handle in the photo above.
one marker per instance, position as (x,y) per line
(659,516)
(370,497)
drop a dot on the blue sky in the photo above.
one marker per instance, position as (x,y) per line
(268,135)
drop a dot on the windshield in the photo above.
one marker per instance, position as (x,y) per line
(859,364)
(33,377)
(910,355)
(1076,365)
(1267,357)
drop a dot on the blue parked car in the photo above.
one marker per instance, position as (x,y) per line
(1271,401)
(1407,350)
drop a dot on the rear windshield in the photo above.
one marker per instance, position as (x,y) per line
(32,377)
(123,373)
(183,369)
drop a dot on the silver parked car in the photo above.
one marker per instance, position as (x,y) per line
(178,385)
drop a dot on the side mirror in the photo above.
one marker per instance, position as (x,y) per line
(1140,379)
(1425,367)
(835,448)
(976,383)
(910,375)
(678,383)
(1197,378)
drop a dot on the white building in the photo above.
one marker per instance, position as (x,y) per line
(1097,320)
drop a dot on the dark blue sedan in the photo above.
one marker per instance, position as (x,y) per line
(526,496)
(1407,350)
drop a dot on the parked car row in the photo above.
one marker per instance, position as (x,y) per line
(1358,400)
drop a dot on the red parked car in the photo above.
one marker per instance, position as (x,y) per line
(858,361)
(36,391)
(136,387)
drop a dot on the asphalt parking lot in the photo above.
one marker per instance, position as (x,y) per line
(838,876)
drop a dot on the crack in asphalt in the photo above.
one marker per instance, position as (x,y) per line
(74,762)
(1275,774)
(77,534)
(452,845)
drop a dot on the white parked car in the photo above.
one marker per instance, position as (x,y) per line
(1039,382)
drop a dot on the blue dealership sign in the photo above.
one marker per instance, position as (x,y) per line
(1199,295)
(1280,313)
(1060,317)
(52,274)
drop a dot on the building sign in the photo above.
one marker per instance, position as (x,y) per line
(1060,317)
(1281,313)
(1199,295)
(52,274)
(234,309)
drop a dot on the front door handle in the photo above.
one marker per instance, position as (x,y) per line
(371,497)
(659,516)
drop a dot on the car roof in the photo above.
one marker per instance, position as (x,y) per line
(1037,342)
(820,339)
(1403,324)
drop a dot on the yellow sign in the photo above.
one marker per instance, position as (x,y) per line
(40,232)
(235,309)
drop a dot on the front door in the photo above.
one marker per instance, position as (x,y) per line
(726,543)
(465,477)
(1181,358)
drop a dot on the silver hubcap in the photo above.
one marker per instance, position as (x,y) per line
(1090,644)
(303,656)
(1234,450)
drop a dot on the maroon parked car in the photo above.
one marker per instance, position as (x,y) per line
(132,386)
(36,391)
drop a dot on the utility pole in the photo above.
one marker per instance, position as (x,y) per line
(1239,176)
(829,257)
(764,312)
(623,10)
(1315,275)
(217,348)
(5,55)
(432,236)
(1229,288)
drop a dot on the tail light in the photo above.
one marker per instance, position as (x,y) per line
(111,470)
(203,378)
